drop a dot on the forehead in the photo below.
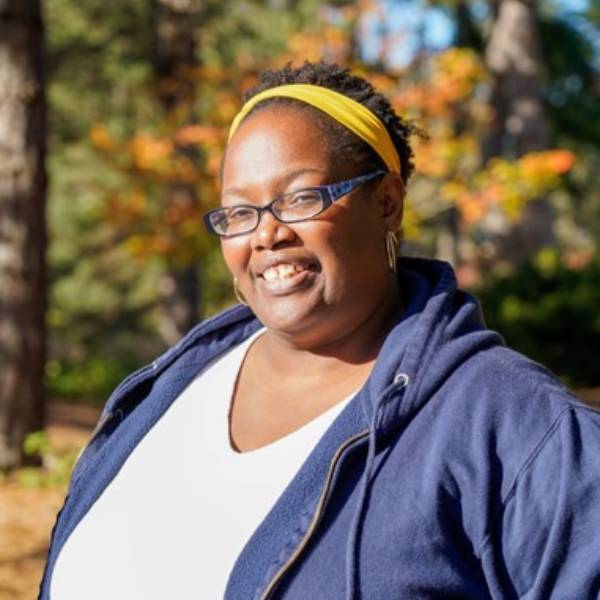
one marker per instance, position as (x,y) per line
(273,143)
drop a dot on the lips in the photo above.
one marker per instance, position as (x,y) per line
(281,265)
(283,271)
(280,275)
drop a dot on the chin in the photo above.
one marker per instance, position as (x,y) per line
(288,310)
(288,317)
(287,321)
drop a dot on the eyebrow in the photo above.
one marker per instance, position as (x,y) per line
(283,183)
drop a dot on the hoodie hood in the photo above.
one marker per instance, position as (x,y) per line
(440,328)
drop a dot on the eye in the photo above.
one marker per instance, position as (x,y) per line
(233,220)
(304,197)
(240,214)
(299,205)
(219,220)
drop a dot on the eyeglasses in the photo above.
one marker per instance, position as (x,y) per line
(288,208)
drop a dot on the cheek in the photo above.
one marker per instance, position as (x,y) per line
(236,254)
(368,233)
(343,259)
(355,261)
(355,241)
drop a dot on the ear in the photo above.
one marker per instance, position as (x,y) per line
(391,201)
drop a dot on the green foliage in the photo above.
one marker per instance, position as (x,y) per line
(99,64)
(98,60)
(36,444)
(550,313)
(92,379)
(57,464)
(99,316)
(573,100)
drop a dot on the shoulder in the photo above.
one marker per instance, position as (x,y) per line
(202,344)
(509,414)
(541,537)
(231,325)
(503,388)
(518,449)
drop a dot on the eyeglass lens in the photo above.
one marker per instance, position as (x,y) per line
(295,206)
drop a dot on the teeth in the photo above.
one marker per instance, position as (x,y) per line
(282,271)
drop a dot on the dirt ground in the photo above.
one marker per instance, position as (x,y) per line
(27,514)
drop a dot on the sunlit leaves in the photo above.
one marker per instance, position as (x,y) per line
(507,184)
(446,80)
(449,100)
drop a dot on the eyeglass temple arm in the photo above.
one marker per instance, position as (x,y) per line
(337,190)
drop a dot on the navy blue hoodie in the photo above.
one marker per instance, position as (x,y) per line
(460,470)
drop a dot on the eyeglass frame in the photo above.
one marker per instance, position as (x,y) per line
(330,193)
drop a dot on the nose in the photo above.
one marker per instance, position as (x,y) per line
(270,233)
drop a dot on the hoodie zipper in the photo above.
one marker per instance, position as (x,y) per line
(321,505)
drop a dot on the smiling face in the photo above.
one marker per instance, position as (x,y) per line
(316,280)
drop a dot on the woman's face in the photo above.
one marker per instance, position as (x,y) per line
(316,280)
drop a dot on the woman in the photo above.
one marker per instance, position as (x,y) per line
(355,431)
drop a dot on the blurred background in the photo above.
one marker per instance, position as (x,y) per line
(113,120)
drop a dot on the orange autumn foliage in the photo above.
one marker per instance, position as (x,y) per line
(101,138)
(148,152)
(198,134)
(508,184)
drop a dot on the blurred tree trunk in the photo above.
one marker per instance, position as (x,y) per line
(176,64)
(519,125)
(448,239)
(22,226)
(467,32)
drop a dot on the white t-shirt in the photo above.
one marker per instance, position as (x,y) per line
(183,505)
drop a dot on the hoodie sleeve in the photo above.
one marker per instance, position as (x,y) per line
(545,542)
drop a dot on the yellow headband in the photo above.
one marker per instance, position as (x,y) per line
(351,114)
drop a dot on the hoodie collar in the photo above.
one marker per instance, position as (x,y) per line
(440,327)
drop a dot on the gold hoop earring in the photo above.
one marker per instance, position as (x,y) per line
(391,249)
(238,294)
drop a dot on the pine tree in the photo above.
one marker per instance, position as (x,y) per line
(175,60)
(22,229)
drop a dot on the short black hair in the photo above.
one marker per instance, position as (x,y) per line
(340,79)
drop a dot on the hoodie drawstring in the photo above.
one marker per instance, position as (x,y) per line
(400,381)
